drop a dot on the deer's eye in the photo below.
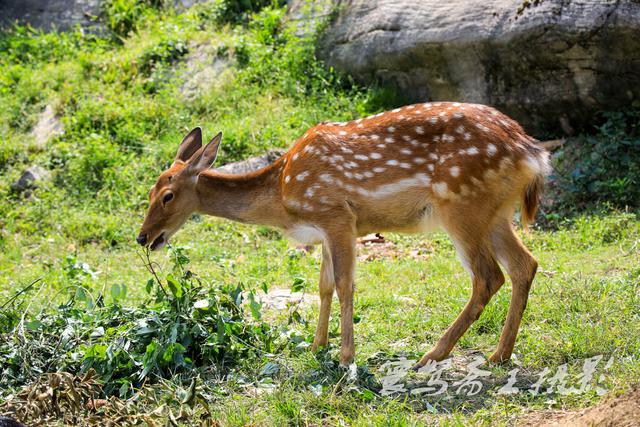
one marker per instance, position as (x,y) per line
(167,198)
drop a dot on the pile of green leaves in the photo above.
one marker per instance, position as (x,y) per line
(603,166)
(183,326)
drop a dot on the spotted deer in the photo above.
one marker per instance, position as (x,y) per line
(459,167)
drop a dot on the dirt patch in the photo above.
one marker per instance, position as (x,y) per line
(621,411)
(375,246)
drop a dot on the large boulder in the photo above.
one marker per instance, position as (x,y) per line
(550,64)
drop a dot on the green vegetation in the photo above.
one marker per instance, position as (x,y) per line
(190,350)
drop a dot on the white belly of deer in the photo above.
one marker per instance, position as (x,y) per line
(306,234)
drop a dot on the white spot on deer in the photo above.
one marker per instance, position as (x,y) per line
(441,189)
(386,190)
(389,140)
(391,129)
(437,104)
(342,133)
(430,167)
(395,110)
(346,150)
(436,138)
(460,129)
(392,162)
(457,115)
(414,142)
(472,151)
(379,114)
(348,174)
(302,176)
(426,105)
(448,138)
(467,136)
(306,234)
(433,156)
(349,187)
(411,107)
(419,130)
(292,203)
(358,176)
(350,165)
(491,150)
(375,155)
(405,165)
(287,179)
(454,171)
(374,137)
(368,174)
(482,127)
(295,156)
(381,146)
(406,151)
(406,137)
(419,160)
(324,200)
(360,157)
(456,104)
(379,169)
(360,125)
(309,192)
(325,177)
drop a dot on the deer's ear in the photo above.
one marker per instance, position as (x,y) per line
(204,157)
(189,145)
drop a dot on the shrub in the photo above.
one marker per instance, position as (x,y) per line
(603,167)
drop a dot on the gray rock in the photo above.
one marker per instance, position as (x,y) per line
(48,125)
(202,69)
(61,14)
(251,164)
(51,14)
(30,179)
(551,67)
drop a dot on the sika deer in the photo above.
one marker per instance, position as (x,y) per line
(460,167)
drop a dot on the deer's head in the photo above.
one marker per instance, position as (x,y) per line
(173,198)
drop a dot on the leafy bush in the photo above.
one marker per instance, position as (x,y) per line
(183,326)
(236,11)
(603,167)
(122,16)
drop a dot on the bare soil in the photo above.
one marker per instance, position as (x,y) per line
(620,411)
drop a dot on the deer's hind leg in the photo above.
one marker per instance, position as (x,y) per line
(477,256)
(521,267)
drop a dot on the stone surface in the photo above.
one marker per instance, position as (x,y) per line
(60,14)
(30,179)
(251,164)
(50,14)
(552,67)
(48,125)
(203,68)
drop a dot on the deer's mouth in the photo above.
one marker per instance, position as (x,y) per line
(158,242)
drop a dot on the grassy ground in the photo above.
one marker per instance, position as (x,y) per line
(124,110)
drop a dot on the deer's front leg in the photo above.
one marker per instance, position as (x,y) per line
(327,285)
(342,247)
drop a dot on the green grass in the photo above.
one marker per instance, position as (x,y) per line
(124,115)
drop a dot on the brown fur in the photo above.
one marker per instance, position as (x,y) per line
(461,167)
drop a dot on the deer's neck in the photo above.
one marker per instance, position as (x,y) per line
(253,198)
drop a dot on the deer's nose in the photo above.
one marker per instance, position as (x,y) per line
(141,239)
